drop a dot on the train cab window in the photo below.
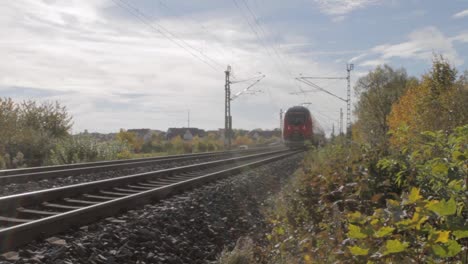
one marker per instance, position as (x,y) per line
(296,119)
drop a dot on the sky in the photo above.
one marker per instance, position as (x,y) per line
(147,63)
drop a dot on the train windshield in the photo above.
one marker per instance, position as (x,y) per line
(296,118)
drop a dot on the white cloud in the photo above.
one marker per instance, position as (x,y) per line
(373,63)
(462,37)
(358,57)
(461,14)
(112,71)
(342,7)
(421,44)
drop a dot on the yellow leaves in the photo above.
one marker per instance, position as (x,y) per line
(404,113)
(443,236)
(358,251)
(355,232)
(413,196)
(395,246)
(418,218)
(356,217)
(384,231)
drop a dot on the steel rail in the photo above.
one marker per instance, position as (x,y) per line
(22,232)
(49,172)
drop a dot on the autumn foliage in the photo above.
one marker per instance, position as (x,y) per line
(439,102)
(396,192)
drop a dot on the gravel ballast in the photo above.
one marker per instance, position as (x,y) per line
(193,227)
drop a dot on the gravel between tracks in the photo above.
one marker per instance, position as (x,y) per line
(15,188)
(192,227)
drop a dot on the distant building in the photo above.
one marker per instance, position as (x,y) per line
(98,136)
(144,133)
(185,133)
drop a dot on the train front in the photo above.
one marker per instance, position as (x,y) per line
(297,127)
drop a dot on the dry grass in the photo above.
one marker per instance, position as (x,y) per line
(241,254)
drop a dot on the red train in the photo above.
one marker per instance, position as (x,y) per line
(299,127)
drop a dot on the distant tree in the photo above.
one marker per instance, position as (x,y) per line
(377,91)
(243,140)
(131,139)
(211,136)
(177,145)
(188,148)
(28,130)
(439,102)
(9,124)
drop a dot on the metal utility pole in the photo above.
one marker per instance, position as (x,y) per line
(227,110)
(349,68)
(341,121)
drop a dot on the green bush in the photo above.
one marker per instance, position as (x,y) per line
(347,204)
(78,149)
(31,129)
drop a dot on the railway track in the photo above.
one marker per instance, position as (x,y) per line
(50,172)
(28,216)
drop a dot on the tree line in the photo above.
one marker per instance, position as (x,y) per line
(37,134)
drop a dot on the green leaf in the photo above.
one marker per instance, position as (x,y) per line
(456,185)
(457,155)
(443,208)
(414,196)
(280,230)
(453,248)
(356,217)
(357,251)
(395,246)
(440,168)
(450,249)
(459,234)
(355,232)
(384,231)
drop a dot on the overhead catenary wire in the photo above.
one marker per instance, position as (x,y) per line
(171,11)
(169,35)
(247,88)
(281,65)
(259,39)
(282,61)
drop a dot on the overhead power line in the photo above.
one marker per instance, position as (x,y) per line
(349,68)
(168,34)
(279,62)
(247,88)
(283,61)
(172,12)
